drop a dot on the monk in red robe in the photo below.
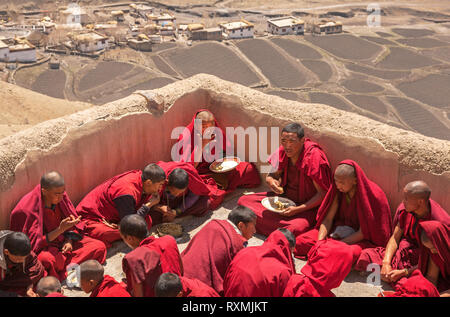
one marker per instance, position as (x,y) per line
(202,142)
(172,285)
(20,270)
(354,211)
(329,262)
(185,193)
(302,174)
(57,233)
(262,271)
(432,274)
(49,286)
(93,280)
(130,192)
(402,249)
(150,256)
(212,249)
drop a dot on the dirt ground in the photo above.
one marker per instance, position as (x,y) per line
(354,284)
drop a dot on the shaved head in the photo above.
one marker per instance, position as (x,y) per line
(418,189)
(91,270)
(48,285)
(345,170)
(205,116)
(52,180)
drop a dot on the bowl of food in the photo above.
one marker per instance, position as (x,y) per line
(277,204)
(169,228)
(224,165)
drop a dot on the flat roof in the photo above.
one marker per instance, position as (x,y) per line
(3,45)
(20,47)
(91,36)
(285,21)
(236,25)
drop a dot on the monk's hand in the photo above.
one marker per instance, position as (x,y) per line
(69,222)
(386,269)
(67,247)
(170,215)
(111,225)
(30,292)
(395,275)
(275,187)
(154,200)
(290,211)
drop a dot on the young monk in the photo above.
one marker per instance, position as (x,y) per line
(185,193)
(20,268)
(355,202)
(302,174)
(432,274)
(49,286)
(172,285)
(262,271)
(329,262)
(56,231)
(130,192)
(212,249)
(150,256)
(211,148)
(93,280)
(402,249)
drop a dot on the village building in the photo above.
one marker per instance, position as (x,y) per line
(163,19)
(327,27)
(118,15)
(17,50)
(209,34)
(75,15)
(286,25)
(89,42)
(141,10)
(237,30)
(141,43)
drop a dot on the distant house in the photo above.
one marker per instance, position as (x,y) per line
(141,43)
(141,10)
(209,34)
(237,30)
(90,42)
(74,15)
(163,19)
(327,27)
(17,50)
(286,25)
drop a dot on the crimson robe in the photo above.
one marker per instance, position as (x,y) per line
(210,251)
(329,262)
(407,254)
(297,181)
(371,208)
(98,204)
(109,287)
(260,271)
(195,288)
(415,285)
(244,175)
(146,263)
(55,294)
(31,217)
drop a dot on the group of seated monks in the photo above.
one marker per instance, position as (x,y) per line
(341,221)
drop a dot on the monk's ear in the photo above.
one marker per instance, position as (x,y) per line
(240,225)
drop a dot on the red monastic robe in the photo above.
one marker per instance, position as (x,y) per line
(196,288)
(109,287)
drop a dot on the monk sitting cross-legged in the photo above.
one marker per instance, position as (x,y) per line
(354,211)
(212,249)
(185,193)
(150,256)
(56,231)
(20,270)
(211,148)
(172,285)
(131,192)
(93,280)
(402,250)
(302,174)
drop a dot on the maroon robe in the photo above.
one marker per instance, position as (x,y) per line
(407,254)
(261,271)
(329,262)
(98,204)
(244,175)
(195,288)
(210,251)
(146,263)
(31,217)
(109,287)
(369,212)
(414,286)
(297,181)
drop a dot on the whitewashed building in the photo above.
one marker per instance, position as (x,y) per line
(286,25)
(90,42)
(237,30)
(20,51)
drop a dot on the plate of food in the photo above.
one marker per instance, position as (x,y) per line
(169,228)
(224,165)
(277,204)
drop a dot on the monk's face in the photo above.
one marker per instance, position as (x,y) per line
(176,192)
(291,143)
(130,241)
(207,119)
(150,188)
(53,195)
(412,203)
(87,285)
(344,183)
(247,229)
(17,259)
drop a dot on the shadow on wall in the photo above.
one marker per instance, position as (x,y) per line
(93,145)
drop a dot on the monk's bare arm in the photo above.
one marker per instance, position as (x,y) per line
(274,181)
(315,201)
(446,293)
(326,224)
(354,238)
(392,245)
(432,272)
